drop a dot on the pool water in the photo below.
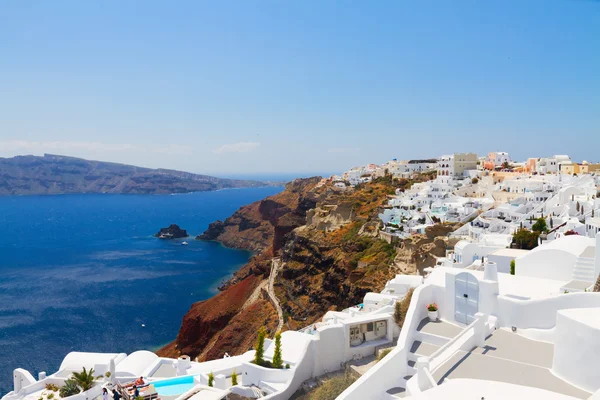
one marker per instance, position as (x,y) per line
(174,387)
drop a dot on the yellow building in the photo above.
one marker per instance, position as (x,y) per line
(574,168)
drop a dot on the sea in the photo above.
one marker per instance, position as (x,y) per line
(84,272)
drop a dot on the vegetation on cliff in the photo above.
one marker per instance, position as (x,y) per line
(330,252)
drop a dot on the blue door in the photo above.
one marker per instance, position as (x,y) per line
(466,297)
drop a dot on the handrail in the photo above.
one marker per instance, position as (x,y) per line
(429,377)
(436,360)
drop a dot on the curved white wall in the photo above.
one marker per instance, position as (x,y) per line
(541,313)
(547,263)
(577,348)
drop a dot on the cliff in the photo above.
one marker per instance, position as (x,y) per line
(330,256)
(264,223)
(52,174)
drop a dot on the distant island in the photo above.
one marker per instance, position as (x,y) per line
(55,174)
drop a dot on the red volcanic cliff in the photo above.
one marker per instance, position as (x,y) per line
(228,321)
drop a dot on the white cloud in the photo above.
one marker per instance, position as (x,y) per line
(240,147)
(342,150)
(39,147)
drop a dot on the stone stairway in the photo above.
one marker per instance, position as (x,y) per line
(429,337)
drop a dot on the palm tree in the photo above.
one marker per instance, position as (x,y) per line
(85,379)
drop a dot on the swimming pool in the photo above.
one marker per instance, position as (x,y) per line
(175,386)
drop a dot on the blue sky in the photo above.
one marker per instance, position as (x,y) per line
(244,87)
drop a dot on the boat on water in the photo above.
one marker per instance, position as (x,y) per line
(184,243)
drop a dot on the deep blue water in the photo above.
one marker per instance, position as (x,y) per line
(83,272)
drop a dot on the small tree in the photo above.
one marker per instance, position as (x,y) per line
(526,239)
(551,223)
(211,379)
(84,379)
(512,267)
(578,206)
(234,376)
(277,357)
(540,226)
(260,347)
(582,212)
(474,181)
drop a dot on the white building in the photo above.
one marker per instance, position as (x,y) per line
(551,165)
(498,158)
(493,336)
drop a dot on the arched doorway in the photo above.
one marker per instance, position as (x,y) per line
(466,297)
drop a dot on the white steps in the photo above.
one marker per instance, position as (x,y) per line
(584,269)
(271,387)
(425,344)
(431,338)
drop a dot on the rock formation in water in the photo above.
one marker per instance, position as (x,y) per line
(172,232)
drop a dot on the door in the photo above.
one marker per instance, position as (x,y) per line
(380,329)
(466,297)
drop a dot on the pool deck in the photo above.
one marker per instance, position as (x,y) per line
(510,358)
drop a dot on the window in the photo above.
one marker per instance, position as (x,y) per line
(370,327)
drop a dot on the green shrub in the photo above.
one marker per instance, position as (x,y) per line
(50,396)
(398,314)
(69,388)
(211,379)
(234,376)
(383,353)
(331,388)
(277,356)
(526,239)
(259,348)
(287,366)
(512,267)
(52,387)
(540,226)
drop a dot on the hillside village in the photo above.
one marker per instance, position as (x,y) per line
(453,277)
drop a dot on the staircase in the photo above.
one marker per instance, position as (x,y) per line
(584,270)
(429,337)
(257,392)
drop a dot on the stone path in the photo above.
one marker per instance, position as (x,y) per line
(275,265)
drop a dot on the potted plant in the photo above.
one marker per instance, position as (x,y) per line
(432,312)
